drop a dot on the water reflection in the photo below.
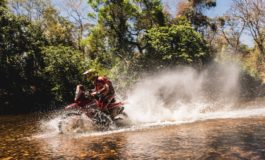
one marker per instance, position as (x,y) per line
(84,147)
(214,139)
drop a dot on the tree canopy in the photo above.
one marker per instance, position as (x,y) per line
(44,52)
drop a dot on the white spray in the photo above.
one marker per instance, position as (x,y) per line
(186,95)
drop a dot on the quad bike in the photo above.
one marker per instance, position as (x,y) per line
(90,107)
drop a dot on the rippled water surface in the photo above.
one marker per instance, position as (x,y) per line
(21,138)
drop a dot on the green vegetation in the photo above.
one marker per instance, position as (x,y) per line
(35,74)
(63,64)
(178,44)
(43,54)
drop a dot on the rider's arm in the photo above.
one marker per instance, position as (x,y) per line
(104,89)
(79,92)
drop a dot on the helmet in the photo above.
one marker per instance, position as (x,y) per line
(91,73)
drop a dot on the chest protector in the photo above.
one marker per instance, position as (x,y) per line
(100,82)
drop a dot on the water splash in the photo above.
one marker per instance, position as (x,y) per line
(181,95)
(186,95)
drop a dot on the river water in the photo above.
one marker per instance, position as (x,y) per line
(240,138)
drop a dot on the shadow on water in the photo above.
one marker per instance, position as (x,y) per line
(212,139)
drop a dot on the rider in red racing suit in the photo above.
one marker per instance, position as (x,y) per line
(103,92)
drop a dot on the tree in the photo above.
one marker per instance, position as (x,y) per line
(57,29)
(26,83)
(63,70)
(20,63)
(126,22)
(114,17)
(76,12)
(251,13)
(177,44)
(32,9)
(232,30)
(150,14)
(194,11)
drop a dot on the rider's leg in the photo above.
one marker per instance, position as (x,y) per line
(113,112)
(109,101)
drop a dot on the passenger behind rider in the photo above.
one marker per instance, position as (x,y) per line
(103,92)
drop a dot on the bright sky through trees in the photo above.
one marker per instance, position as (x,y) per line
(221,8)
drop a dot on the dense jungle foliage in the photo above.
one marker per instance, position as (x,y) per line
(43,53)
